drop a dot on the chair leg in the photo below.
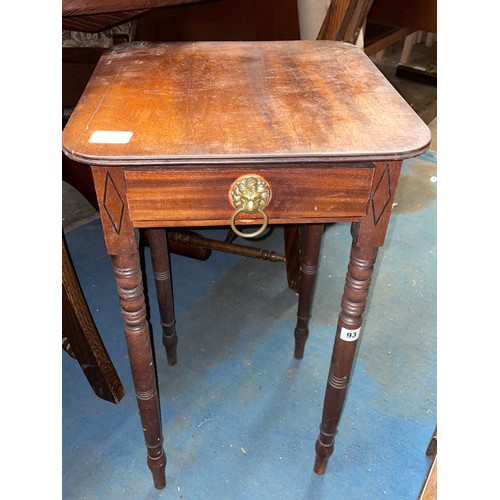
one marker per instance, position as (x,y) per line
(313,234)
(160,257)
(81,339)
(293,252)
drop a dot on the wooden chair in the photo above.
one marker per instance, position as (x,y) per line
(81,339)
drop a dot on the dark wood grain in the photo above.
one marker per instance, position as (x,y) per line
(95,15)
(414,14)
(332,21)
(197,241)
(313,234)
(121,240)
(368,235)
(293,252)
(88,7)
(113,207)
(250,101)
(93,23)
(316,120)
(81,333)
(162,274)
(361,265)
(299,193)
(133,308)
(222,20)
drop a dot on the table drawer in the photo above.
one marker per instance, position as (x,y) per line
(202,196)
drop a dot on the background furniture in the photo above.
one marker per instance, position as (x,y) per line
(392,20)
(81,338)
(94,15)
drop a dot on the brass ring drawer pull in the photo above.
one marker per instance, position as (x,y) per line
(249,194)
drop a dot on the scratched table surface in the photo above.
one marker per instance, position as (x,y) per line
(240,101)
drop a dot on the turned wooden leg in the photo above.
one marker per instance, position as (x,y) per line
(313,234)
(293,254)
(353,304)
(368,235)
(133,308)
(163,282)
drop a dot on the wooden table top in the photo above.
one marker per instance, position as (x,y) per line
(243,102)
(96,15)
(92,7)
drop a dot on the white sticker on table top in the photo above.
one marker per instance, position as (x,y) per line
(350,335)
(110,137)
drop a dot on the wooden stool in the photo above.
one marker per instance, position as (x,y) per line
(242,133)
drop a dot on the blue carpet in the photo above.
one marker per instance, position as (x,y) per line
(240,415)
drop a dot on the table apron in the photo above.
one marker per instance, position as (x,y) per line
(194,197)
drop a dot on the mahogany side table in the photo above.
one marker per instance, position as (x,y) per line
(242,133)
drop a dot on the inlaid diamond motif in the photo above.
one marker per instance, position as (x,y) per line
(381,195)
(113,203)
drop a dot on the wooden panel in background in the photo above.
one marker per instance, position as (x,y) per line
(222,20)
(415,14)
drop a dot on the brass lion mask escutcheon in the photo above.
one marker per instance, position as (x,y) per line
(250,194)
